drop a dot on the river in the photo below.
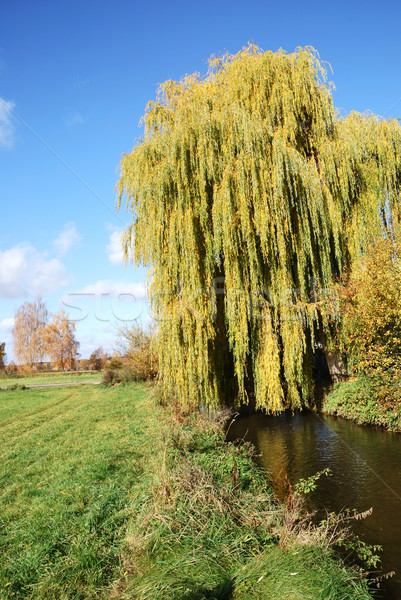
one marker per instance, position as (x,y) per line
(365,465)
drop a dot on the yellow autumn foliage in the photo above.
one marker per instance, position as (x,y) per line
(247,189)
(369,328)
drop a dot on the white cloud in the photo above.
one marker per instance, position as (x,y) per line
(66,239)
(6,124)
(48,276)
(90,341)
(74,119)
(6,326)
(114,248)
(116,288)
(24,270)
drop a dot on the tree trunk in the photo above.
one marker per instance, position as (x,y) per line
(336,365)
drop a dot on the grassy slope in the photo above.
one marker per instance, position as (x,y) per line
(356,400)
(103,494)
(210,529)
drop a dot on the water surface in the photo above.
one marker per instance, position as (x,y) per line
(365,464)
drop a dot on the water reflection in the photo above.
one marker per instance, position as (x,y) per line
(365,466)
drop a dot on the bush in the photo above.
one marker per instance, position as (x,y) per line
(122,375)
(115,362)
(367,400)
(370,301)
(12,369)
(139,357)
(110,377)
(364,325)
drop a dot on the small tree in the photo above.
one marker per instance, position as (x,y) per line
(135,344)
(28,333)
(3,355)
(60,342)
(98,359)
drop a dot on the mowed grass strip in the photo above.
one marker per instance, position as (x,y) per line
(71,464)
(50,378)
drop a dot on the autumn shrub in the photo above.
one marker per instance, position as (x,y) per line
(139,359)
(366,328)
(11,369)
(115,362)
(109,377)
(370,304)
(122,375)
(362,316)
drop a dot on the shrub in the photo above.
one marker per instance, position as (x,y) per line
(115,362)
(139,357)
(123,375)
(110,377)
(364,325)
(370,306)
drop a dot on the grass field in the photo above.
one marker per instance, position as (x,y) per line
(70,462)
(106,494)
(50,378)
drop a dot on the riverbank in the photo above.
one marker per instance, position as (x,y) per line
(107,494)
(366,401)
(211,528)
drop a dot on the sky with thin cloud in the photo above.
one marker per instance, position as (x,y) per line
(75,78)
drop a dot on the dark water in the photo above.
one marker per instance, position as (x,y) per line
(365,464)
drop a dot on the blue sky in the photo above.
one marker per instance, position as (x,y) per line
(75,78)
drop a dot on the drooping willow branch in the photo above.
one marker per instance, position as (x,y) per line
(247,190)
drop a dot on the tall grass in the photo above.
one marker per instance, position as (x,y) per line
(209,527)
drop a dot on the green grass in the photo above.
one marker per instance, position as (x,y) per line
(105,494)
(209,528)
(357,400)
(71,459)
(50,378)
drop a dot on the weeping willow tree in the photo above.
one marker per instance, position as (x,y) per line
(248,191)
